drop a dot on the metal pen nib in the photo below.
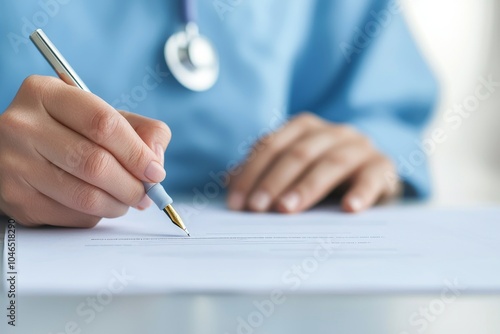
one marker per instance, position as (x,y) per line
(155,191)
(175,218)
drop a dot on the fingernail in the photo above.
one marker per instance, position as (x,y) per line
(144,203)
(356,204)
(236,201)
(260,201)
(160,153)
(155,172)
(291,201)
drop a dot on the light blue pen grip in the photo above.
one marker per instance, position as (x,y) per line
(158,195)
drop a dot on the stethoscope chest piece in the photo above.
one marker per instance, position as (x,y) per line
(192,59)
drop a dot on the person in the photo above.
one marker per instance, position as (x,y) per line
(314,97)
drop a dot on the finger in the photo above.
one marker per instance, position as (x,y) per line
(46,211)
(263,155)
(292,163)
(88,162)
(324,176)
(74,193)
(154,133)
(26,205)
(368,186)
(96,120)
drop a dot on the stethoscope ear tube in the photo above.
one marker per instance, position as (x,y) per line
(191,57)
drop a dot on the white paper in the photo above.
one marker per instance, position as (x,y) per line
(324,251)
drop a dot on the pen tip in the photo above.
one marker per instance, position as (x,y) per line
(175,218)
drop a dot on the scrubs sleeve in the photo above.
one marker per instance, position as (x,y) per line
(368,73)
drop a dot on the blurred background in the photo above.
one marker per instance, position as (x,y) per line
(461,39)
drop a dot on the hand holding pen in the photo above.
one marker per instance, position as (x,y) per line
(68,158)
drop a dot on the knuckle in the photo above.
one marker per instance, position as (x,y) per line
(37,86)
(345,131)
(18,125)
(138,155)
(33,83)
(300,154)
(309,119)
(23,116)
(163,129)
(87,199)
(12,124)
(339,158)
(96,163)
(104,124)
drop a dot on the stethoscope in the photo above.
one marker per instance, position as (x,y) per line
(191,57)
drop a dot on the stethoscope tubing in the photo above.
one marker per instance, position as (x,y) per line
(189,11)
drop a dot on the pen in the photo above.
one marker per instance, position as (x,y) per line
(155,191)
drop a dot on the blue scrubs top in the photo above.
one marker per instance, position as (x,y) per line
(348,61)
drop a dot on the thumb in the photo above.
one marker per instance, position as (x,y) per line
(156,134)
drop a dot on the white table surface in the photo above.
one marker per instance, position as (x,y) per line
(215,313)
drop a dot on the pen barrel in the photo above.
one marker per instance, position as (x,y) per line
(60,65)
(155,191)
(158,195)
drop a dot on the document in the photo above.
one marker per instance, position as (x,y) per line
(393,249)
